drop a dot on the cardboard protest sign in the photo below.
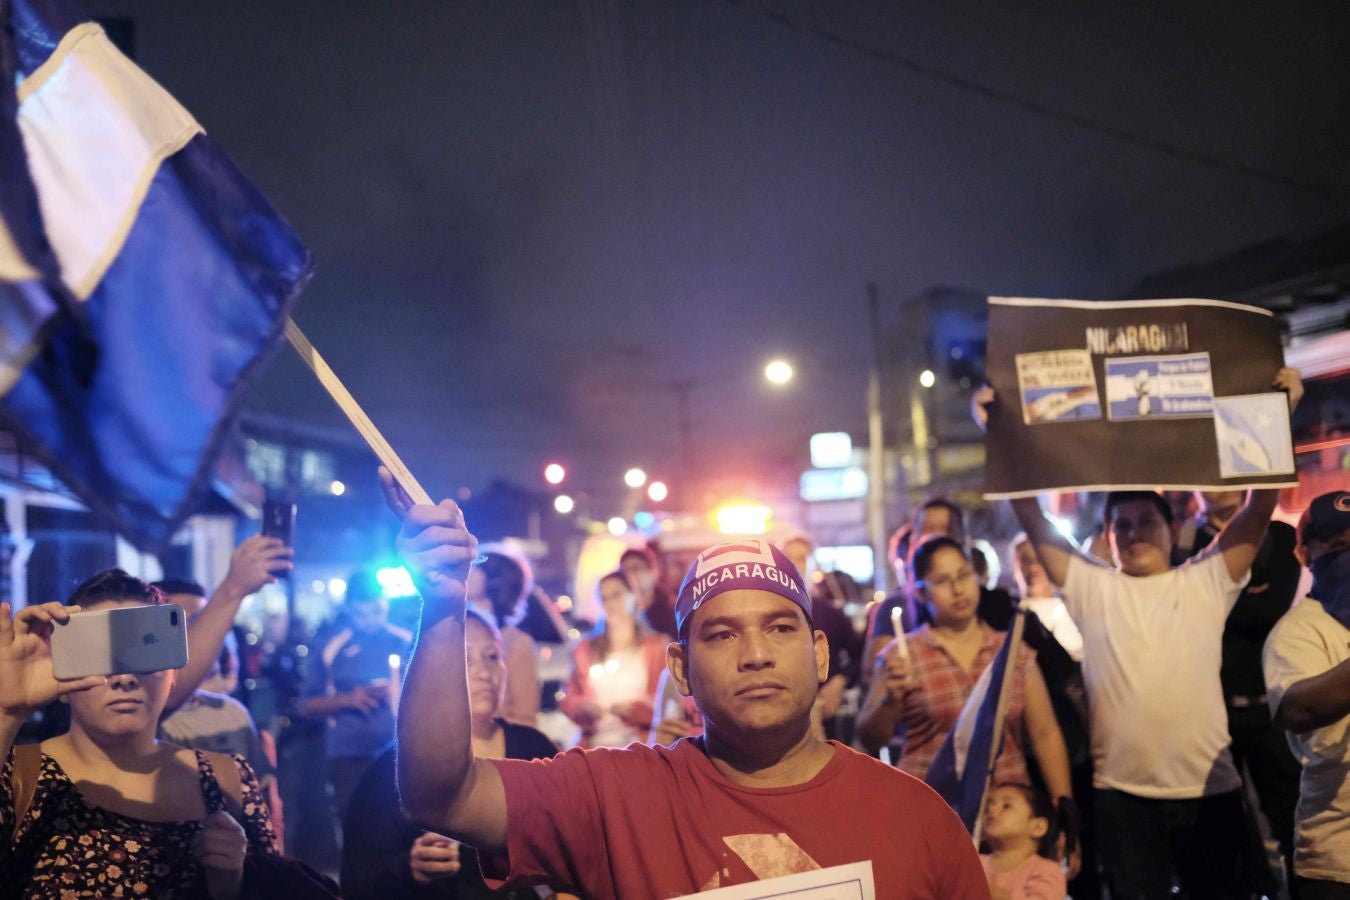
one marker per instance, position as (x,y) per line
(1109,395)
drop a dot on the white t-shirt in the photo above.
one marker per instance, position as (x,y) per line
(1056,619)
(1151,653)
(1307,642)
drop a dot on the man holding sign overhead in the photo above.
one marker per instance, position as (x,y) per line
(756,798)
(1167,796)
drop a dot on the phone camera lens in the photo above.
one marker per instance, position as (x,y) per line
(173,618)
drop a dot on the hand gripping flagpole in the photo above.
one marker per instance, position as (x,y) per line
(1000,715)
(354,413)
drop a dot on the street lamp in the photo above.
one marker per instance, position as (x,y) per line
(778,371)
(657,491)
(635,478)
(563,504)
(927,378)
(742,518)
(554,473)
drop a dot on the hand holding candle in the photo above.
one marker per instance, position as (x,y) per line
(895,664)
(898,624)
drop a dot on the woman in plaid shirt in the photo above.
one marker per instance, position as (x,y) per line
(922,696)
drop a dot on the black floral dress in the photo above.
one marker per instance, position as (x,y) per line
(67,848)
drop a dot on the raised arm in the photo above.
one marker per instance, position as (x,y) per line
(1241,537)
(26,679)
(1052,547)
(443,788)
(251,567)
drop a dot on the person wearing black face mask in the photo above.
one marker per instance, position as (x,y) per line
(1307,669)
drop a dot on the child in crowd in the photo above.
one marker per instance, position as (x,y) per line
(1019,829)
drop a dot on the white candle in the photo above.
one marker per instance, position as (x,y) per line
(395,682)
(898,624)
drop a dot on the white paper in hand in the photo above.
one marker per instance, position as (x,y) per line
(848,882)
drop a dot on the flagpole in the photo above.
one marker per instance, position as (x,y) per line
(354,413)
(1000,715)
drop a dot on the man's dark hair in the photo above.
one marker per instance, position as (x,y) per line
(114,585)
(180,586)
(1115,498)
(921,560)
(504,585)
(958,516)
(898,545)
(980,563)
(363,587)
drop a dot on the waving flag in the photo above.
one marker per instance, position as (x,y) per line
(962,768)
(30,292)
(143,279)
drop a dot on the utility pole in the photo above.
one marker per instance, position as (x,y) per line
(681,387)
(876,451)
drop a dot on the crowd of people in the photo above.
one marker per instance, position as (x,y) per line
(1176,708)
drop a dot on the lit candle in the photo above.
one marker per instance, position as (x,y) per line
(898,623)
(395,682)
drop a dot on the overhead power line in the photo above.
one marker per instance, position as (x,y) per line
(1036,107)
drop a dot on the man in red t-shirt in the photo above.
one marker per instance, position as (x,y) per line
(756,797)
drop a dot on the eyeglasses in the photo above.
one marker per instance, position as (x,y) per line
(947,581)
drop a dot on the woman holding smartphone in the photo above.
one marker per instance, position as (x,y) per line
(106,809)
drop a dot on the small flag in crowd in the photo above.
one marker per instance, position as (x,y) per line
(143,279)
(960,771)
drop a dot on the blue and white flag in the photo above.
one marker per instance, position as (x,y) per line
(960,771)
(30,289)
(146,288)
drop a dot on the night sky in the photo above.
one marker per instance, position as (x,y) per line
(528,217)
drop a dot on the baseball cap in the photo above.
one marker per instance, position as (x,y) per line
(1325,517)
(749,564)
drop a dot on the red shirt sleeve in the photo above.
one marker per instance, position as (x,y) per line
(960,873)
(553,832)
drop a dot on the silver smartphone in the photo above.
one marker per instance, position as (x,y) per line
(125,639)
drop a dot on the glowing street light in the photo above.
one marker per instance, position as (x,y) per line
(778,371)
(617,526)
(735,518)
(927,378)
(563,504)
(658,491)
(337,488)
(635,478)
(554,473)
